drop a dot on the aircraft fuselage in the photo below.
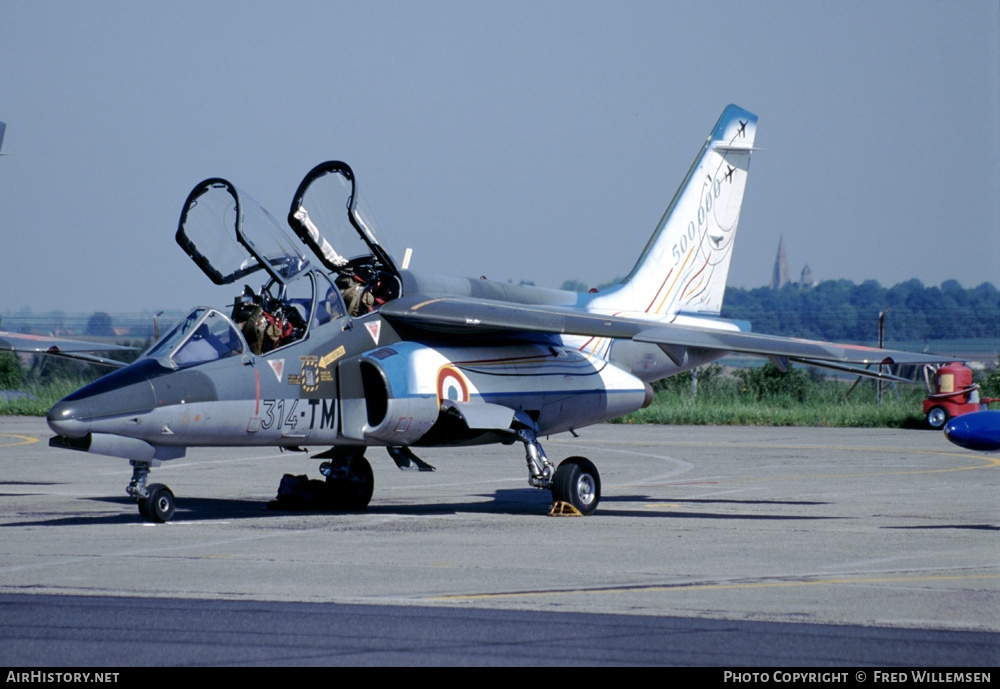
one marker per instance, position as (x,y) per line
(354,381)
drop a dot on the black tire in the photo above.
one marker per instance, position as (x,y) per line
(578,483)
(159,506)
(353,491)
(937,417)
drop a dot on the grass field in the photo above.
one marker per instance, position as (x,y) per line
(39,397)
(764,396)
(859,411)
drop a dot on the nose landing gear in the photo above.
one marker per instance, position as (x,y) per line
(156,501)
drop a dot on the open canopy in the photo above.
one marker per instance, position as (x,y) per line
(230,236)
(329,215)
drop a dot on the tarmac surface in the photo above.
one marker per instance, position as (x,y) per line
(711,546)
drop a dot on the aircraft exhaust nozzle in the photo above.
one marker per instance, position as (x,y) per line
(650,395)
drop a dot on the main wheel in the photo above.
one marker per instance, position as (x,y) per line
(578,483)
(352,490)
(937,417)
(159,506)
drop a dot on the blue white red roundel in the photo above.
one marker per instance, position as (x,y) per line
(451,385)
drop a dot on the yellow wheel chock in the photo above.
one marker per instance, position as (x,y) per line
(564,509)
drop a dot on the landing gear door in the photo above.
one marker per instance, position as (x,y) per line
(229,236)
(331,218)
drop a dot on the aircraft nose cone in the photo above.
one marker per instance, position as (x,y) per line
(954,432)
(70,418)
(976,431)
(125,391)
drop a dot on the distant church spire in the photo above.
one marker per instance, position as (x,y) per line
(780,277)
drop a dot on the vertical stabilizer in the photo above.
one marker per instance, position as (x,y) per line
(684,266)
(3,128)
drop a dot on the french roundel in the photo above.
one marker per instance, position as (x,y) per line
(451,385)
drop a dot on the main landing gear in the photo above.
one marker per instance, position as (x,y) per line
(156,501)
(575,482)
(349,478)
(348,486)
(350,481)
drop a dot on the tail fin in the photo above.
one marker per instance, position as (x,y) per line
(684,266)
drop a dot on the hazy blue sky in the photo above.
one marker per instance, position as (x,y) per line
(519,140)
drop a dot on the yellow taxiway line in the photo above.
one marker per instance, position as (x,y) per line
(21,440)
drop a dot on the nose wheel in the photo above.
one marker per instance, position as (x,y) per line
(159,506)
(156,502)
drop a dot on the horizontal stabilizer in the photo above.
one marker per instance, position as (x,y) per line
(67,349)
(88,358)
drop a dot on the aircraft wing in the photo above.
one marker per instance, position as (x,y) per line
(472,316)
(57,346)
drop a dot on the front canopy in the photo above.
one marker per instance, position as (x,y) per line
(229,236)
(203,335)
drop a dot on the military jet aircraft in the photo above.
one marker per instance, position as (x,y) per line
(345,349)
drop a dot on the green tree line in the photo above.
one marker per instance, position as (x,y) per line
(842,310)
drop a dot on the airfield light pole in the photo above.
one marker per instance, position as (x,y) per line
(881,345)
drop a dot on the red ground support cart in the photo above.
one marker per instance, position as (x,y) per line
(952,393)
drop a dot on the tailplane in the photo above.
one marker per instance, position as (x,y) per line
(684,266)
